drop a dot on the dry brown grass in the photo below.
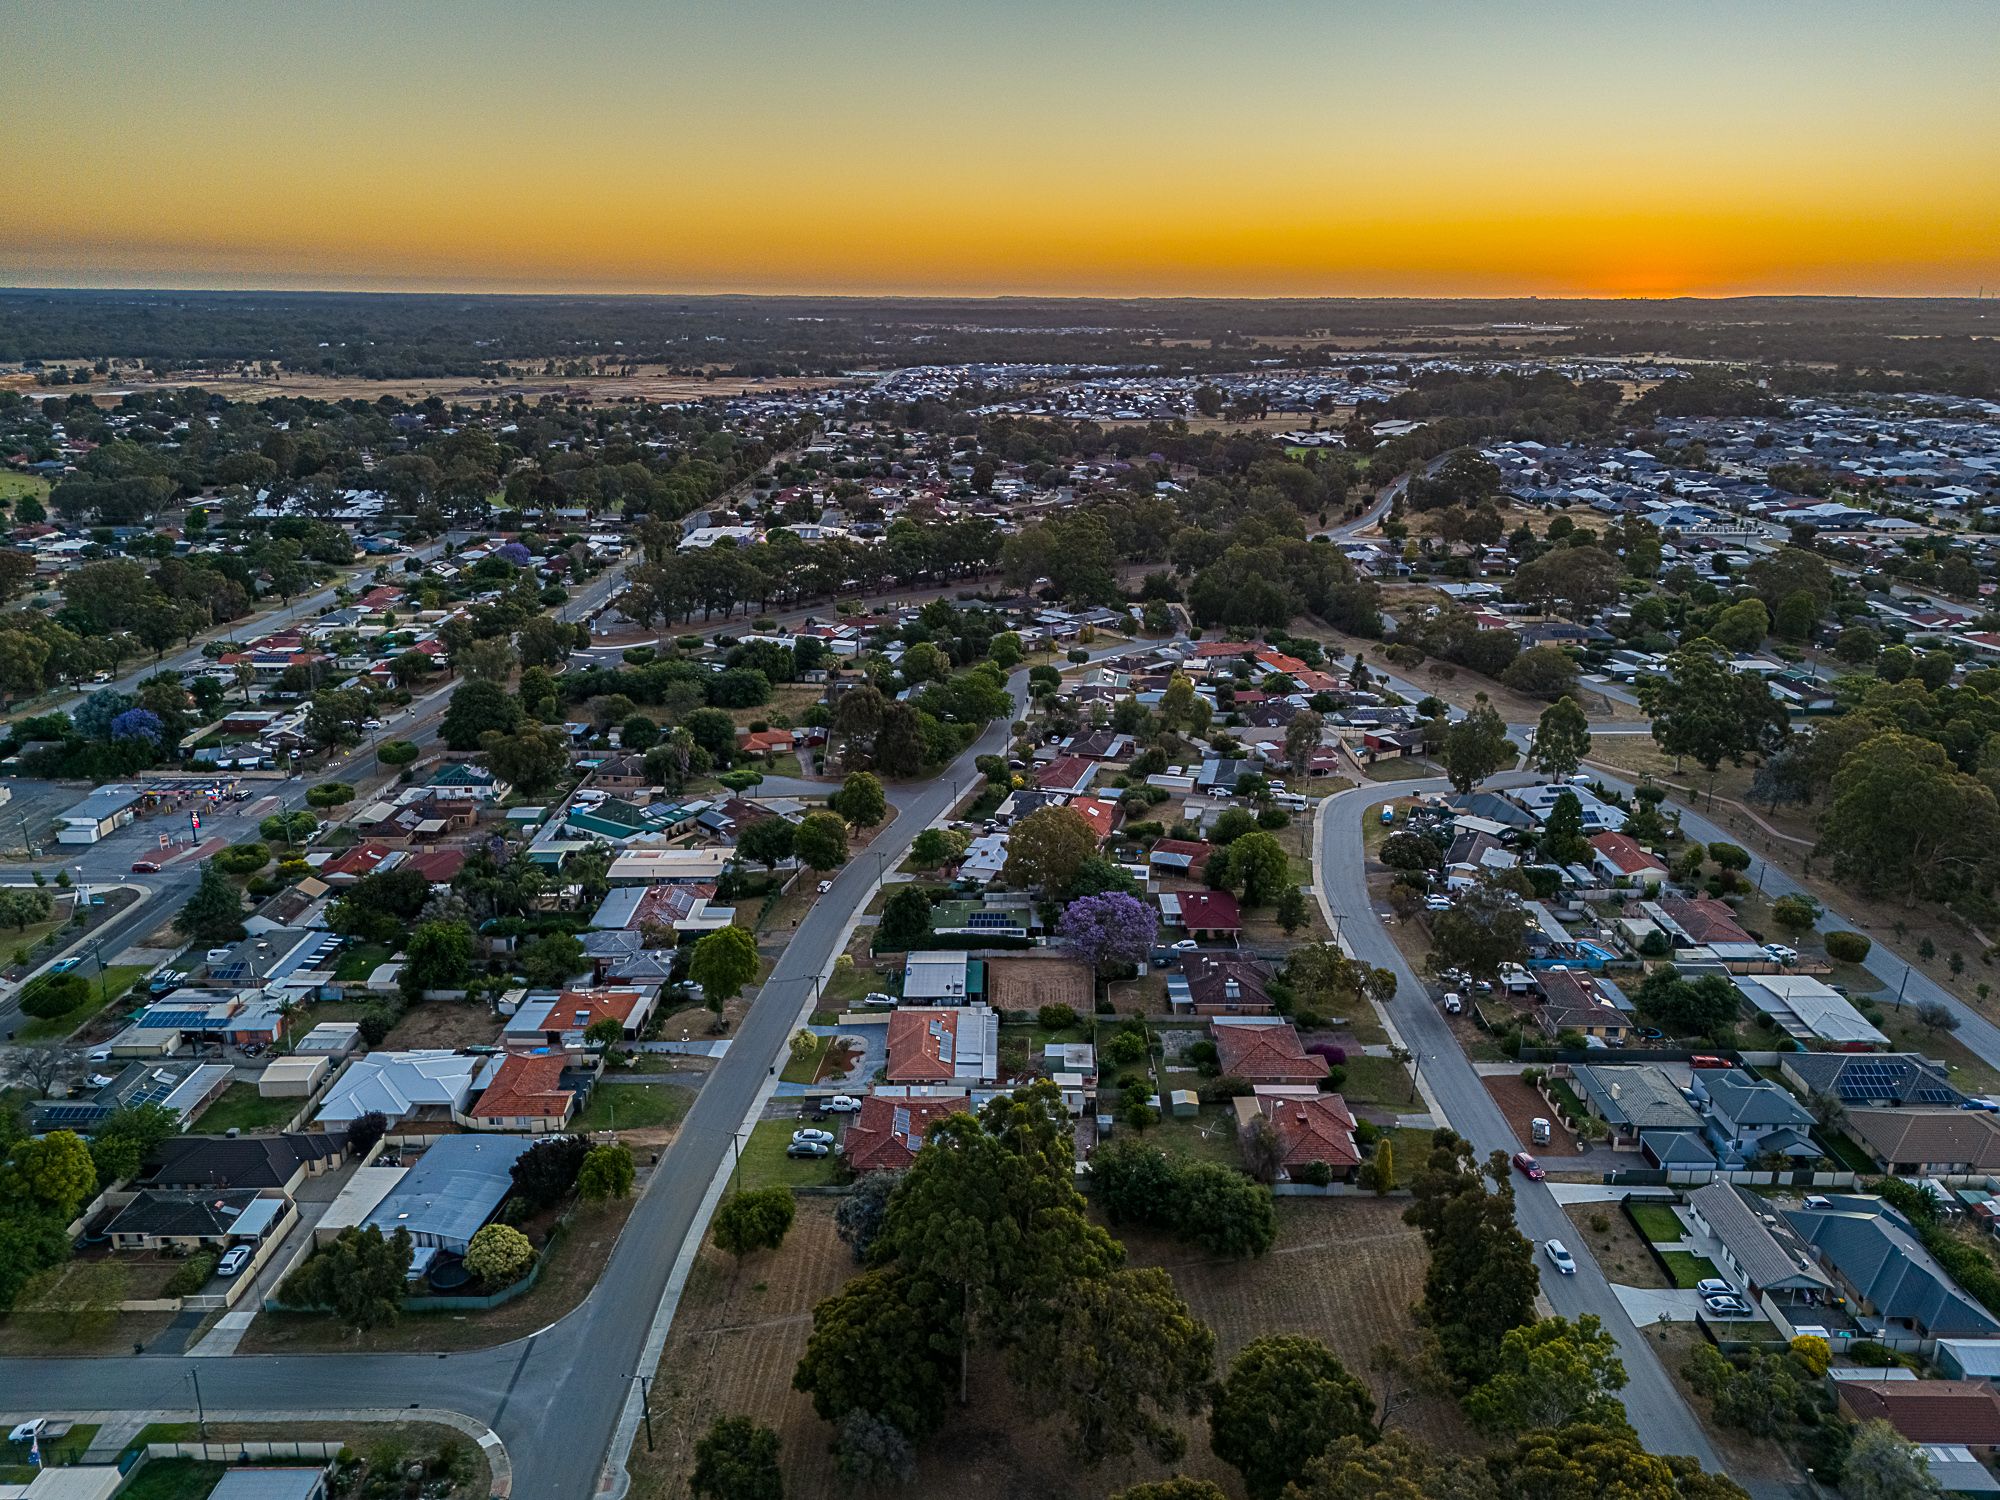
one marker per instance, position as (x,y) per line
(444,1023)
(1345,1271)
(1620,1250)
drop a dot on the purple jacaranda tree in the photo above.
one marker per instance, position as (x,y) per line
(138,724)
(1109,930)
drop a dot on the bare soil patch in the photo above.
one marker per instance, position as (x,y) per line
(1031,983)
(444,1023)
(1522,1105)
(1345,1271)
(1620,1249)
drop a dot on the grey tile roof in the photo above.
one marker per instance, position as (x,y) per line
(1747,1101)
(1891,1271)
(1770,1254)
(1639,1096)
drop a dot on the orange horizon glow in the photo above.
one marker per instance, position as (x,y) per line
(974,148)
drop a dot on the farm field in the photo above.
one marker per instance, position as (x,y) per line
(740,1332)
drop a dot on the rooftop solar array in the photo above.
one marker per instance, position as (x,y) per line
(1867,1079)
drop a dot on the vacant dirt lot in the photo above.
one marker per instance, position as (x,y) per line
(1521,1105)
(1344,1271)
(1617,1246)
(1031,983)
(445,1023)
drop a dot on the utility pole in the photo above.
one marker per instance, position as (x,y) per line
(200,1415)
(646,1406)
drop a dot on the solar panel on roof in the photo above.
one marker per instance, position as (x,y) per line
(59,1116)
(989,919)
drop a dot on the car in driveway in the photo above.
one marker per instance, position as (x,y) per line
(1727,1307)
(822,1137)
(1528,1167)
(809,1148)
(1185,945)
(843,1104)
(233,1260)
(1714,1286)
(28,1431)
(1559,1256)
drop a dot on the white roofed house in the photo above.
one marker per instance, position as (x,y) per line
(401,1085)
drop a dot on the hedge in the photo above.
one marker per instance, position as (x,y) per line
(1848,947)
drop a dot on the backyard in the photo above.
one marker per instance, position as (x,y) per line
(242,1108)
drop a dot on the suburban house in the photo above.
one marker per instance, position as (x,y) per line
(886,1134)
(1808,1010)
(1946,1419)
(562,1020)
(258,1482)
(256,1162)
(1205,916)
(529,1093)
(1578,1001)
(1927,1142)
(1218,985)
(401,1086)
(1748,1117)
(1183,859)
(942,977)
(452,1191)
(1704,922)
(1069,775)
(1635,1101)
(162,1219)
(1619,858)
(1312,1129)
(1888,1080)
(944,1044)
(1261,1051)
(1894,1284)
(1756,1247)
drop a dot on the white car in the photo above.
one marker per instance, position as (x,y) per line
(843,1104)
(877,997)
(1437,903)
(234,1260)
(825,886)
(1186,945)
(823,1137)
(1731,1305)
(1779,953)
(1453,1004)
(25,1433)
(1559,1256)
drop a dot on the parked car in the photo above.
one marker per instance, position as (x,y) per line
(1559,1257)
(1729,1307)
(1186,945)
(1538,1131)
(145,867)
(809,1148)
(825,886)
(234,1260)
(807,1133)
(877,997)
(1779,953)
(843,1104)
(1437,903)
(1715,1287)
(1453,1004)
(1528,1167)
(27,1431)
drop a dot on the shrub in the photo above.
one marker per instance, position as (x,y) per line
(190,1276)
(499,1256)
(1333,1052)
(55,995)
(1313,1174)
(243,859)
(375,1024)
(397,752)
(1366,1132)
(1056,1017)
(1848,947)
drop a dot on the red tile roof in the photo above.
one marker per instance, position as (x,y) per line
(918,1052)
(1064,773)
(355,863)
(528,1086)
(1928,1411)
(1210,911)
(1625,854)
(1225,648)
(1317,1129)
(885,1136)
(438,866)
(1099,813)
(1266,1054)
(1705,919)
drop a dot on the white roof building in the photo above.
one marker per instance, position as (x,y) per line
(396,1085)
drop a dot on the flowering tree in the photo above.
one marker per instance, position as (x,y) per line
(1110,929)
(137,724)
(516,554)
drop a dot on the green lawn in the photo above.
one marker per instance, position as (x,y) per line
(242,1108)
(1377,1080)
(806,1069)
(1413,1148)
(1208,1136)
(1688,1269)
(173,1479)
(634,1106)
(358,962)
(117,980)
(763,1162)
(1401,769)
(67,1449)
(1658,1223)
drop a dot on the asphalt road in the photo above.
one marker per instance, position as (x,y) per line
(1663,1420)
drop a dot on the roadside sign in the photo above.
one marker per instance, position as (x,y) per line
(166,841)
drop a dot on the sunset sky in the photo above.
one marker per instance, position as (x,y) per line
(1237,147)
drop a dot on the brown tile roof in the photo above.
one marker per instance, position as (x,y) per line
(528,1086)
(1705,919)
(1266,1054)
(1928,1411)
(1929,1135)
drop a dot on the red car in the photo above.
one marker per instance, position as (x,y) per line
(1528,1167)
(145,867)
